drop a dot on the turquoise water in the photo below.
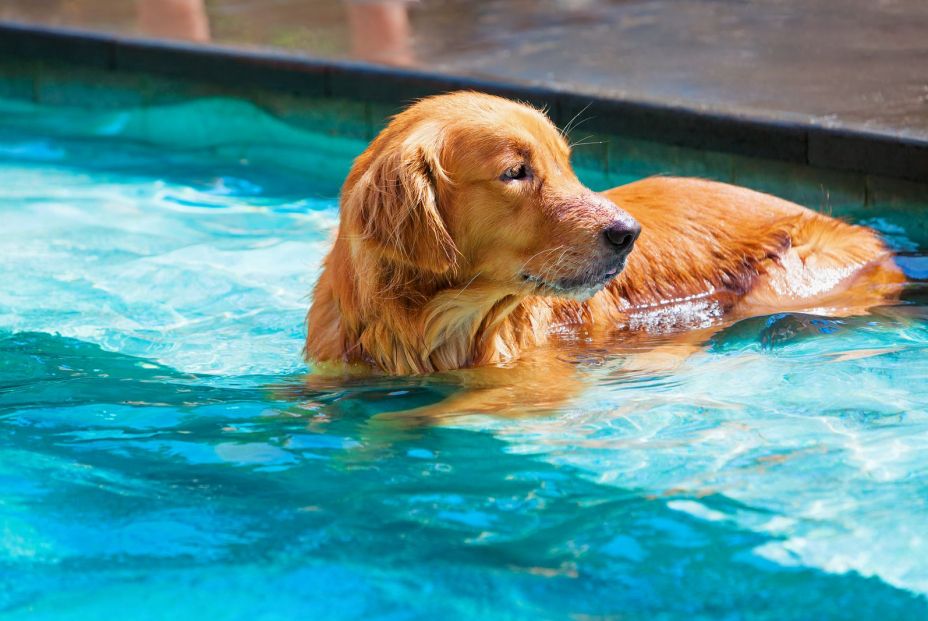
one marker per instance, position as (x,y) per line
(160,458)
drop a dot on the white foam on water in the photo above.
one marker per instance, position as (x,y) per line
(827,458)
(194,278)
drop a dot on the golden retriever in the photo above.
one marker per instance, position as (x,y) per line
(466,239)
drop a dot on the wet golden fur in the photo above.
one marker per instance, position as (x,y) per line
(440,263)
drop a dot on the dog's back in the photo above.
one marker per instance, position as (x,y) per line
(754,252)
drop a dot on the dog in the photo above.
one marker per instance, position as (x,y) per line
(466,240)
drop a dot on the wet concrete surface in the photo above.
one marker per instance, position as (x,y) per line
(860,64)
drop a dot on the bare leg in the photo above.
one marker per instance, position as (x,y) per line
(380,32)
(174,19)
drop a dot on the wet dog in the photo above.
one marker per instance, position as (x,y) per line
(466,239)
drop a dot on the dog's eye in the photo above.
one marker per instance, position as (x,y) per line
(515,173)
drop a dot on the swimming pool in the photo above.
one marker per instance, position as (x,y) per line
(159,457)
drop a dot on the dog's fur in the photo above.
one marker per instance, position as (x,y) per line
(442,262)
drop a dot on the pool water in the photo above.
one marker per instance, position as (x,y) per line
(161,459)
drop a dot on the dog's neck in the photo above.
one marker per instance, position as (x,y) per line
(401,321)
(478,323)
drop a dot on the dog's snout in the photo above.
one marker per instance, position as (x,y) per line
(621,235)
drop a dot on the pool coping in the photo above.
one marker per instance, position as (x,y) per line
(792,140)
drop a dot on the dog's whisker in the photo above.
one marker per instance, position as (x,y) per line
(570,126)
(583,142)
(550,261)
(540,252)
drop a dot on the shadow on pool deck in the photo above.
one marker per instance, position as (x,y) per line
(847,63)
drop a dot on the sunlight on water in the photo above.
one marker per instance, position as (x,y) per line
(822,443)
(200,272)
(160,458)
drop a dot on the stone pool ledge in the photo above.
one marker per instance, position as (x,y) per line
(822,167)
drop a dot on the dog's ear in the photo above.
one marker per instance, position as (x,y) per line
(393,204)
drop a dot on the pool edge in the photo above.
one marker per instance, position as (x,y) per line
(797,141)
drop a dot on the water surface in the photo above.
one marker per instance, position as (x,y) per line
(159,458)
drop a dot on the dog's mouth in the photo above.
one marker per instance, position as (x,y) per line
(579,288)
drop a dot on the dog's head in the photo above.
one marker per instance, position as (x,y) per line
(467,185)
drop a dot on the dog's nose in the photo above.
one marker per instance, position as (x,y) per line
(621,235)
